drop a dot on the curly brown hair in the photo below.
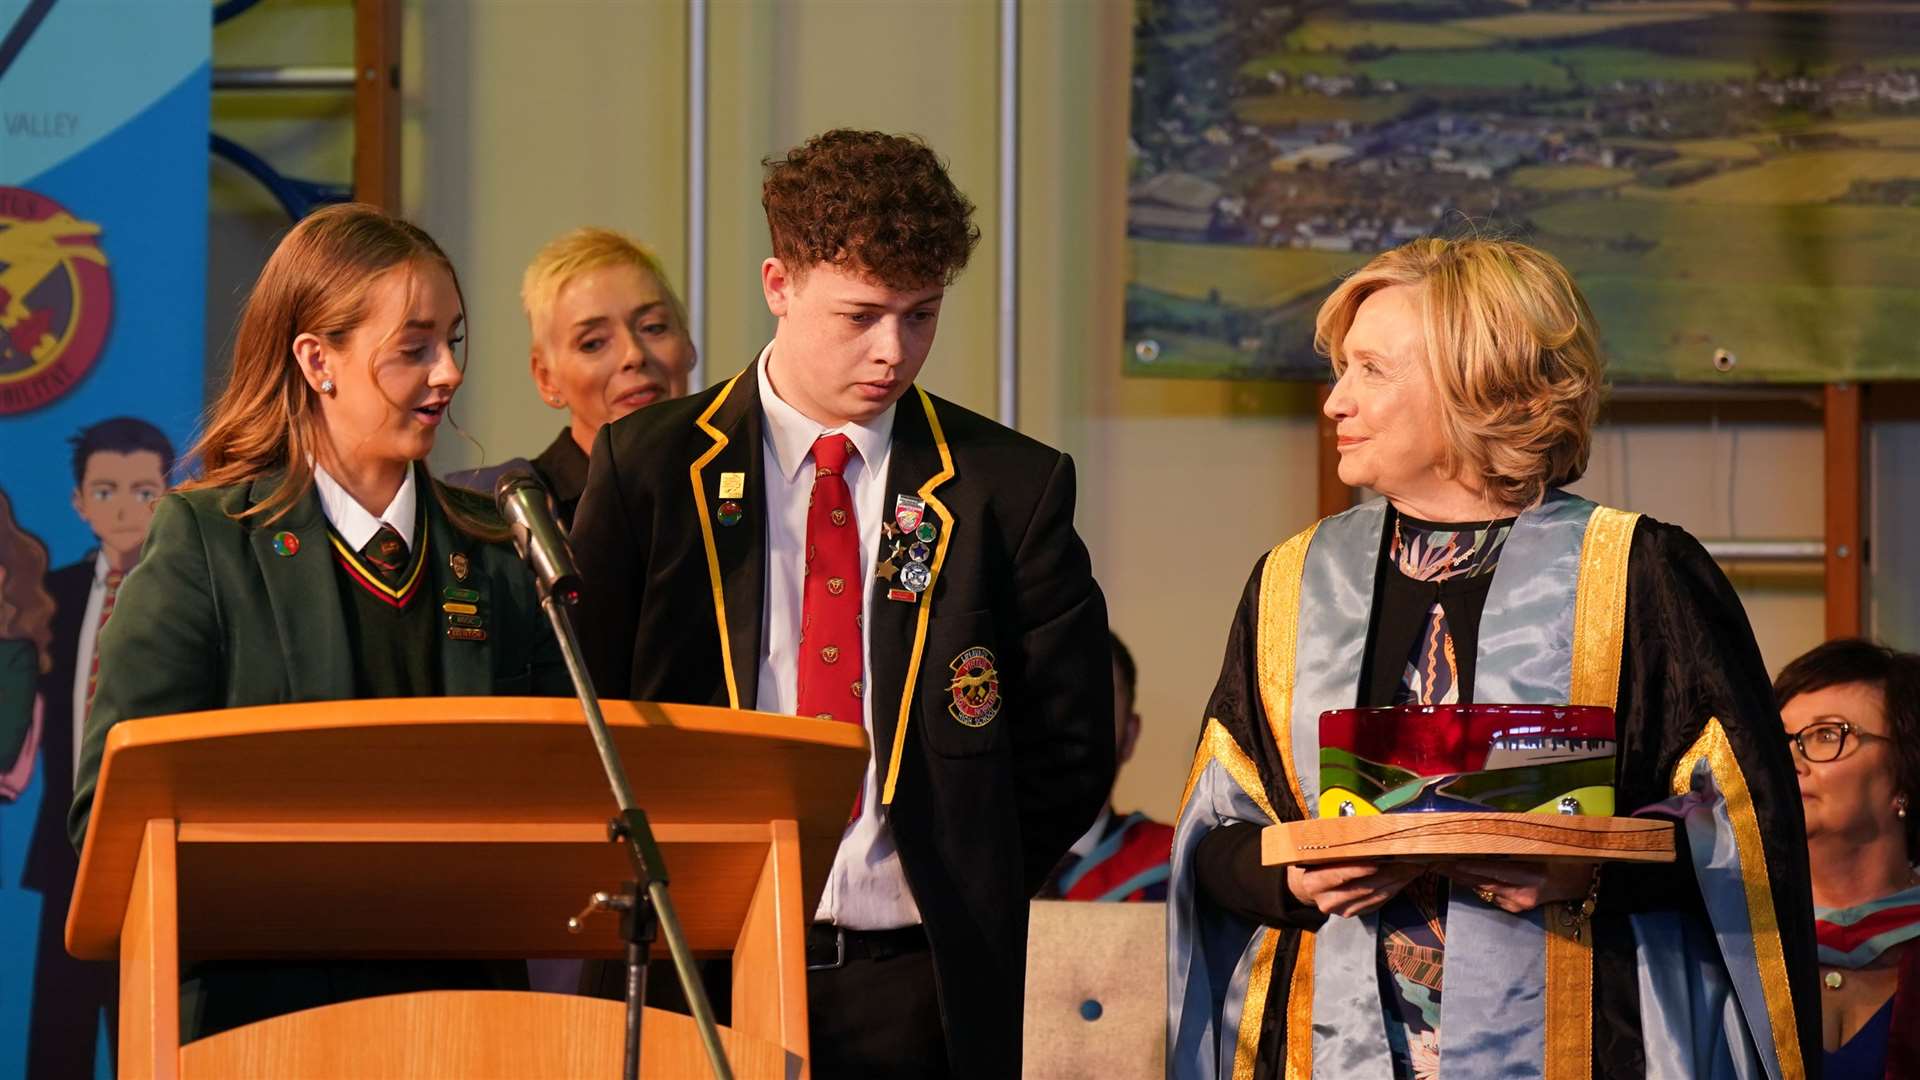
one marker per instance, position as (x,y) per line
(882,204)
(26,609)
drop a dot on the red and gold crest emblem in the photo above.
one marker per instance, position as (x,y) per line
(56,300)
(975,688)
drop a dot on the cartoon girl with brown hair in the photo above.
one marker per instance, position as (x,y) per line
(26,638)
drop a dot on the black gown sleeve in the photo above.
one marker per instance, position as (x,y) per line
(1690,658)
(1227,864)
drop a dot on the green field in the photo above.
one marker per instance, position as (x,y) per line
(1296,64)
(1597,64)
(1888,134)
(1246,276)
(1714,149)
(1787,288)
(1340,34)
(1490,68)
(1189,356)
(1569,177)
(1469,65)
(1551,25)
(1279,109)
(1815,176)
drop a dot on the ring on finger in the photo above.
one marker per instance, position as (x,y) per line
(1485,892)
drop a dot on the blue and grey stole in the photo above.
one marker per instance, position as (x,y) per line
(1519,987)
(1496,1016)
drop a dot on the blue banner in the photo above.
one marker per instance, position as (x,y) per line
(103,222)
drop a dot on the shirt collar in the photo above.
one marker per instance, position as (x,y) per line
(791,434)
(1090,839)
(352,521)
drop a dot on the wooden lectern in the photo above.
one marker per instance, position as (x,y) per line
(454,827)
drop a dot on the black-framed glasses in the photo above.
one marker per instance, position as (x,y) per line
(1827,740)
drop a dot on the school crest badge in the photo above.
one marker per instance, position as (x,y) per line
(56,300)
(975,688)
(907,512)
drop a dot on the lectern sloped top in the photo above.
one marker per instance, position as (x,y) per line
(467,820)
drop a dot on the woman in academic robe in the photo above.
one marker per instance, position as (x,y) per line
(1469,377)
(610,336)
(1852,713)
(311,559)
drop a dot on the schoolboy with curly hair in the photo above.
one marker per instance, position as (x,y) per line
(817,536)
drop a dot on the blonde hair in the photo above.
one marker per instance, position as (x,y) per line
(578,251)
(1513,351)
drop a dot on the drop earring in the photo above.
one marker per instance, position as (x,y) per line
(1900,807)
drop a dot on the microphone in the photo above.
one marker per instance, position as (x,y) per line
(522,500)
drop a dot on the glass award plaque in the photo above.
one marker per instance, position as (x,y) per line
(1443,782)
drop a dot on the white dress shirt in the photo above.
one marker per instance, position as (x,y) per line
(83,654)
(866,889)
(352,521)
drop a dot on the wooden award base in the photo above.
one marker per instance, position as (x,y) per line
(1437,836)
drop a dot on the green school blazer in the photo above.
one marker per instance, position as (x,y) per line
(217,615)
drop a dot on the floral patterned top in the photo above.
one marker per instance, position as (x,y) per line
(1413,925)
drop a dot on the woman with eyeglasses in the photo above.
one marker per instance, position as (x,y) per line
(1852,714)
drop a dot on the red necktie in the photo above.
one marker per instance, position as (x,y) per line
(830,651)
(114,578)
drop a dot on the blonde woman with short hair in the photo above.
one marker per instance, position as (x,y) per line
(609,336)
(1468,377)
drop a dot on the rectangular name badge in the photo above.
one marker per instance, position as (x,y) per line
(733,485)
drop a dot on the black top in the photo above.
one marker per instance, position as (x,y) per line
(563,468)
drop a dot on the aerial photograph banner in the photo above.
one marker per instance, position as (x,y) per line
(1736,186)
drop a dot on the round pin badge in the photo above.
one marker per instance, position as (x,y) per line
(285,544)
(729,513)
(919,552)
(926,532)
(916,577)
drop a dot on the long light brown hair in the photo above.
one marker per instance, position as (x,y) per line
(26,608)
(318,281)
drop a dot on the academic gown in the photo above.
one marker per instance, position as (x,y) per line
(1704,967)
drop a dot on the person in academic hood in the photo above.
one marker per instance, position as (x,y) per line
(1468,378)
(311,559)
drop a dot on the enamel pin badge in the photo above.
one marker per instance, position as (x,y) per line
(907,512)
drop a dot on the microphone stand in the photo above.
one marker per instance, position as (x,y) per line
(644,906)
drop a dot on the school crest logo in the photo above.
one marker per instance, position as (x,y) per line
(975,688)
(56,300)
